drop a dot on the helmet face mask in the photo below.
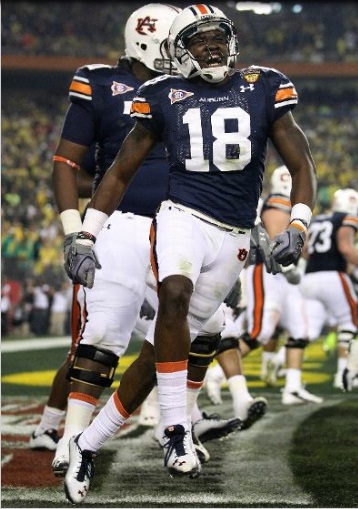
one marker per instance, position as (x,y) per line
(192,21)
(281,181)
(345,200)
(146,33)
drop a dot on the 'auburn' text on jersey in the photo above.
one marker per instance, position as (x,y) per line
(216,137)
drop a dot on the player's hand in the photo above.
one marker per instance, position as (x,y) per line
(260,249)
(286,247)
(147,311)
(66,249)
(292,274)
(81,262)
(233,297)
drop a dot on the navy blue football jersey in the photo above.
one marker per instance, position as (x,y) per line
(322,241)
(216,137)
(99,117)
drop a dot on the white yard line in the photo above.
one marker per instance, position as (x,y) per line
(21,345)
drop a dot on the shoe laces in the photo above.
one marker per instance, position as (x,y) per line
(52,433)
(86,467)
(175,443)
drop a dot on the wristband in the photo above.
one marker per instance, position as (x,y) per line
(86,236)
(301,212)
(94,221)
(299,224)
(71,221)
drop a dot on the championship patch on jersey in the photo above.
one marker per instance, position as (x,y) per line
(120,88)
(251,75)
(178,95)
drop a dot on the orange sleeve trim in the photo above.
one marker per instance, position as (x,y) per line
(171,367)
(286,93)
(120,407)
(80,87)
(60,159)
(80,396)
(194,385)
(142,108)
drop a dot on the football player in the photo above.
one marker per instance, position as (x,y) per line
(215,122)
(331,251)
(100,98)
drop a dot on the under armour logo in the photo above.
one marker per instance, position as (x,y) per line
(250,87)
(83,493)
(145,25)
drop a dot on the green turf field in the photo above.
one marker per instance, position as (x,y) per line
(302,456)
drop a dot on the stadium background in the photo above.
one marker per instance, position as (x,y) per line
(42,45)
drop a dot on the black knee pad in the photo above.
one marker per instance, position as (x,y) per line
(228,344)
(296,343)
(251,342)
(203,350)
(102,356)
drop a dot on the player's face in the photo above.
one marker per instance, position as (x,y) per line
(210,48)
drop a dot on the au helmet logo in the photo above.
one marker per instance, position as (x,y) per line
(145,25)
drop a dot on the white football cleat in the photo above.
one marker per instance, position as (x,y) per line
(212,427)
(255,410)
(60,465)
(212,384)
(150,411)
(180,457)
(299,396)
(350,374)
(45,441)
(79,473)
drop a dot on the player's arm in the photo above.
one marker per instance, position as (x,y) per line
(66,165)
(292,145)
(81,261)
(84,183)
(345,241)
(135,148)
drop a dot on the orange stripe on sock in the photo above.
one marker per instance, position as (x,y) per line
(194,385)
(83,397)
(120,407)
(171,367)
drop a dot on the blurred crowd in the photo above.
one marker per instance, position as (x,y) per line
(319,32)
(31,236)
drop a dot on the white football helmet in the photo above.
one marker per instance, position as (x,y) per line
(146,34)
(345,200)
(281,181)
(201,18)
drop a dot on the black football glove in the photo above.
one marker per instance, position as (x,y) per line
(147,311)
(260,249)
(233,297)
(286,247)
(81,261)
